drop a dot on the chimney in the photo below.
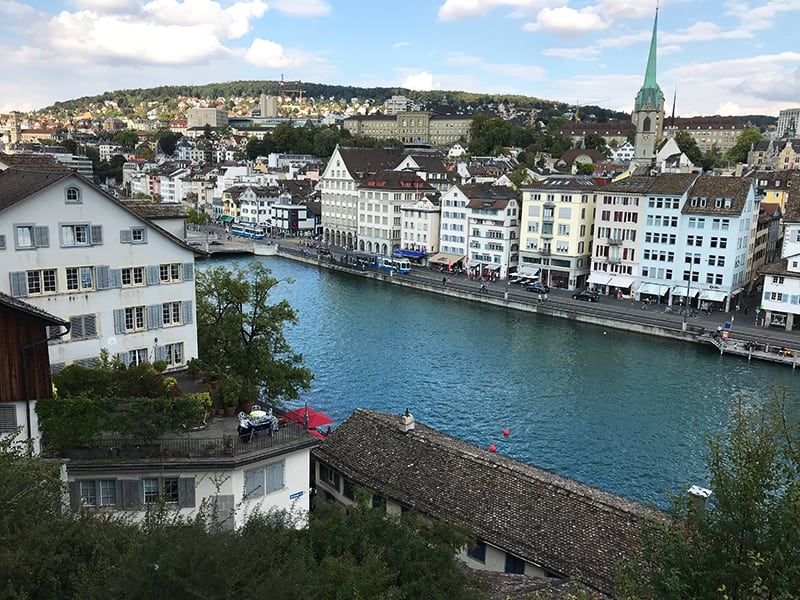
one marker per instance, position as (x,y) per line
(406,422)
(699,498)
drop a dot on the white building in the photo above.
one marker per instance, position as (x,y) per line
(454,225)
(493,214)
(781,294)
(421,226)
(123,284)
(200,117)
(788,123)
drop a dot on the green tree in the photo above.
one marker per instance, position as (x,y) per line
(597,142)
(242,335)
(712,159)
(197,217)
(519,177)
(127,138)
(745,141)
(744,544)
(688,145)
(167,140)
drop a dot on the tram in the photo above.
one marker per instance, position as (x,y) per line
(398,265)
(248,230)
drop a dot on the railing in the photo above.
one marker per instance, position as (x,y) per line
(184,447)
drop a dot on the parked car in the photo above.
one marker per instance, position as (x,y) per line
(538,287)
(588,295)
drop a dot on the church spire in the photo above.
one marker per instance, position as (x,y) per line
(650,93)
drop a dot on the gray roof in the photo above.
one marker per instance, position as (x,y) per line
(564,526)
(34,311)
(361,162)
(157,210)
(712,188)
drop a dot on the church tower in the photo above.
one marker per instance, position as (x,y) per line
(648,112)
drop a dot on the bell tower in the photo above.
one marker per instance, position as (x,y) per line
(648,112)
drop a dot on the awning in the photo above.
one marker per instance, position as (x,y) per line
(713,295)
(528,272)
(226,219)
(599,278)
(680,290)
(621,281)
(444,257)
(653,289)
(409,253)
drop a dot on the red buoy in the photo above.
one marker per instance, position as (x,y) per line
(492,448)
(506,432)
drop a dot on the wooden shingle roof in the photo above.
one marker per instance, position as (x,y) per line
(564,526)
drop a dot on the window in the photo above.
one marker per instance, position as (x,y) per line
(81,234)
(776,279)
(134,318)
(478,552)
(132,276)
(80,278)
(135,357)
(72,195)
(2,242)
(170,272)
(163,489)
(42,281)
(31,236)
(134,235)
(8,418)
(173,353)
(101,492)
(263,480)
(171,313)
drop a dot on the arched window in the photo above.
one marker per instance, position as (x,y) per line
(72,195)
(646,124)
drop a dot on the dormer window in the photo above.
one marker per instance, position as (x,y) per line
(73,195)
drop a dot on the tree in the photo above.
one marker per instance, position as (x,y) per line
(744,544)
(197,217)
(688,145)
(745,141)
(712,159)
(241,334)
(598,142)
(167,140)
(127,138)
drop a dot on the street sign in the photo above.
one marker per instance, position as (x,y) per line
(725,334)
(295,496)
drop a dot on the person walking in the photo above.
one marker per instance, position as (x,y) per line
(444,281)
(483,289)
(546,295)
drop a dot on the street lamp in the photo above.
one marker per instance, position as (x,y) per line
(688,291)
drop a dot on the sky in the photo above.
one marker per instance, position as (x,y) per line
(725,57)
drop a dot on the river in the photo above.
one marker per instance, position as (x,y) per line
(621,411)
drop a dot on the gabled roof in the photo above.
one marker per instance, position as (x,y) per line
(363,161)
(711,188)
(557,523)
(34,311)
(395,180)
(39,162)
(156,210)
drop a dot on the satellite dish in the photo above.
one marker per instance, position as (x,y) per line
(111,341)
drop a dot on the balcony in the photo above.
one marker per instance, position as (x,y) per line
(545,251)
(615,241)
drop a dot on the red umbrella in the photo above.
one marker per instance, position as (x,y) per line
(315,419)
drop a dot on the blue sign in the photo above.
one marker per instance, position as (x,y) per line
(295,496)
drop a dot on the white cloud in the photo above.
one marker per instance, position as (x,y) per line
(582,54)
(228,23)
(568,22)
(514,70)
(16,10)
(421,81)
(401,44)
(107,6)
(302,8)
(267,54)
(755,18)
(453,10)
(703,31)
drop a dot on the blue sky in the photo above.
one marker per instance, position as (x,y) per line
(724,57)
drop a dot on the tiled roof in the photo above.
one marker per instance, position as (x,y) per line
(391,179)
(36,161)
(711,188)
(363,161)
(157,210)
(580,184)
(671,184)
(29,309)
(557,523)
(18,184)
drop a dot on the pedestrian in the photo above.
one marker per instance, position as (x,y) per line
(539,298)
(444,281)
(545,296)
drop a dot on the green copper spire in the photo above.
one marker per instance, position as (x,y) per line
(650,94)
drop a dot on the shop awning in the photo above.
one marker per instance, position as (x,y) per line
(226,219)
(680,290)
(444,257)
(653,289)
(528,272)
(409,253)
(713,295)
(599,278)
(621,281)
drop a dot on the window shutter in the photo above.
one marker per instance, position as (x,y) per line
(186,492)
(53,331)
(793,299)
(90,325)
(76,327)
(253,483)
(115,278)
(8,418)
(124,358)
(188,271)
(155,316)
(130,498)
(153,275)
(2,242)
(144,235)
(96,235)
(125,236)
(41,236)
(56,367)
(187,312)
(119,320)
(19,284)
(74,495)
(161,353)
(101,273)
(274,477)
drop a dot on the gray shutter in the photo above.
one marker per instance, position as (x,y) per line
(119,320)
(274,477)
(144,235)
(75,495)
(41,236)
(155,316)
(153,275)
(115,278)
(8,418)
(19,283)
(124,358)
(131,496)
(101,274)
(186,492)
(125,236)
(161,353)
(187,312)
(96,235)
(76,327)
(188,271)
(90,325)
(2,242)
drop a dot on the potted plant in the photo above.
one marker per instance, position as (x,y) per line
(210,448)
(227,444)
(195,368)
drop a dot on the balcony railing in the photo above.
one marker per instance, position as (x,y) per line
(615,241)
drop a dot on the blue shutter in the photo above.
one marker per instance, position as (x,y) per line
(187,312)
(119,320)
(125,236)
(96,235)
(153,275)
(41,236)
(274,477)
(19,283)
(101,271)
(793,299)
(188,271)
(155,316)
(124,358)
(115,278)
